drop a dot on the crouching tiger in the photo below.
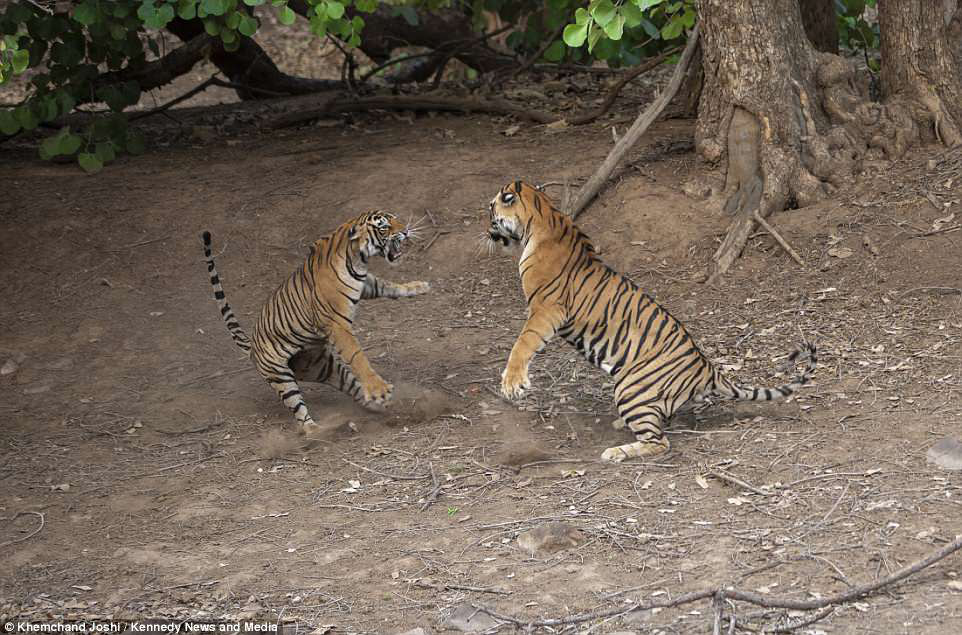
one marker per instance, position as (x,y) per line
(571,293)
(305,330)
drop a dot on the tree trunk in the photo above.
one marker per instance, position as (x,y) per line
(447,31)
(921,64)
(821,24)
(794,123)
(251,66)
(784,115)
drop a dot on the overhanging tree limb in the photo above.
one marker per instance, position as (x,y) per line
(590,189)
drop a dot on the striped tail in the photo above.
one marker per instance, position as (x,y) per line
(236,332)
(751,393)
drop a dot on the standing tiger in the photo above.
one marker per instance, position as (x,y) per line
(570,292)
(305,330)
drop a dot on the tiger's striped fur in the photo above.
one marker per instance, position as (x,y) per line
(305,330)
(570,292)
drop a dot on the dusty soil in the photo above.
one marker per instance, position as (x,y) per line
(169,483)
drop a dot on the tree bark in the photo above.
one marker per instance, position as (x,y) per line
(821,24)
(921,64)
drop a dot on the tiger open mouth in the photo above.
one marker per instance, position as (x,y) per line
(392,251)
(497,237)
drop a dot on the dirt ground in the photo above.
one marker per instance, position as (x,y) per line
(148,471)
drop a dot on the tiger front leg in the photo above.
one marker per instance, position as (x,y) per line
(375,393)
(377,288)
(538,330)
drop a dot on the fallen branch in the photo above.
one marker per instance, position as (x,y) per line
(459,587)
(774,234)
(430,498)
(609,101)
(410,102)
(728,478)
(587,193)
(765,601)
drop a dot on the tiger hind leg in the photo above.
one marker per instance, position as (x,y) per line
(290,394)
(322,365)
(648,426)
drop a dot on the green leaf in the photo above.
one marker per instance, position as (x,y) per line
(254,3)
(147,10)
(615,28)
(366,6)
(230,47)
(69,143)
(555,52)
(21,59)
(574,35)
(357,23)
(164,15)
(248,26)
(187,9)
(632,15)
(673,29)
(228,37)
(8,123)
(644,5)
(602,11)
(582,16)
(688,19)
(105,151)
(135,141)
(89,162)
(286,16)
(215,7)
(50,147)
(319,26)
(233,20)
(212,27)
(335,10)
(409,14)
(28,120)
(86,13)
(593,36)
(650,29)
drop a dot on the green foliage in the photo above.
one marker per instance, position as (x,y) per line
(855,32)
(620,32)
(70,48)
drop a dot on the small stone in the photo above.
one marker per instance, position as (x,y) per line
(637,617)
(468,619)
(947,454)
(550,537)
(9,367)
(36,389)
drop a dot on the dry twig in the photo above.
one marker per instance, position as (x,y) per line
(28,536)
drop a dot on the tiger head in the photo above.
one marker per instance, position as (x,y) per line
(510,213)
(378,233)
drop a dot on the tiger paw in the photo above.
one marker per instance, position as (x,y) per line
(514,384)
(377,394)
(418,287)
(619,453)
(618,424)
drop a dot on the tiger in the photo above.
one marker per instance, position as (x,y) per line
(305,329)
(571,293)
